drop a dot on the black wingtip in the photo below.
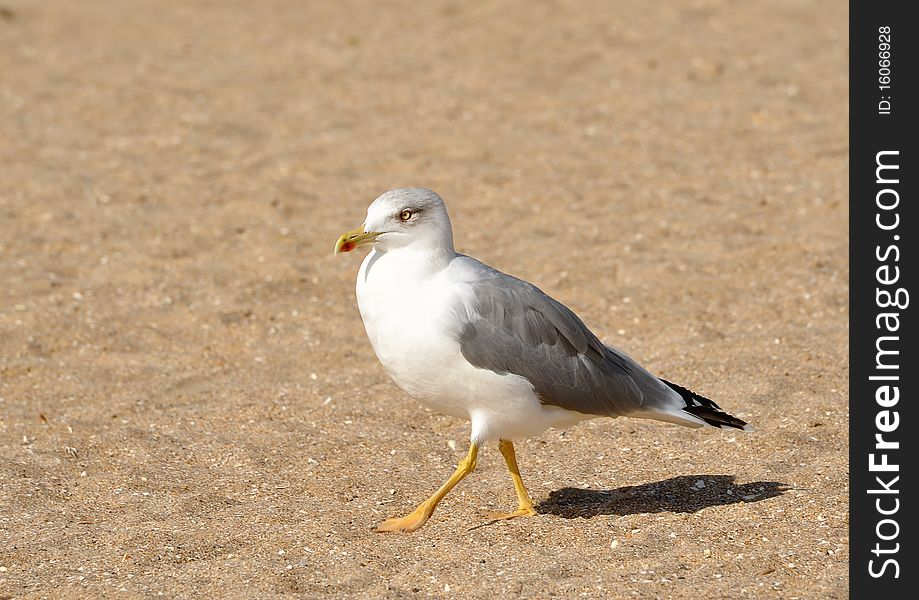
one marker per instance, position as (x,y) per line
(708,411)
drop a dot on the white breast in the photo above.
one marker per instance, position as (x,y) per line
(406,318)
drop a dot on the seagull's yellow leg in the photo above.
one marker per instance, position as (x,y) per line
(420,515)
(525,506)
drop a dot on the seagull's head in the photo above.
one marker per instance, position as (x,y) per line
(404,218)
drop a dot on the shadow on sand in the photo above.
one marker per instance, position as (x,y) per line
(679,494)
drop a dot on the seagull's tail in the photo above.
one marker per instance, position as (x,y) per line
(706,410)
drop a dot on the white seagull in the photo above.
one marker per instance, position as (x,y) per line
(472,342)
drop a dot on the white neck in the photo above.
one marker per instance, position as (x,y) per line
(408,261)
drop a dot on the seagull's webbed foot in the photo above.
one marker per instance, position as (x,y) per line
(523,511)
(420,515)
(525,506)
(410,522)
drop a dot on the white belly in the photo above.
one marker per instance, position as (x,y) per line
(413,329)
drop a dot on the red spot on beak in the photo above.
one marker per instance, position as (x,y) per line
(346,247)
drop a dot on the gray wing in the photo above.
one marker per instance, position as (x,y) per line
(514,327)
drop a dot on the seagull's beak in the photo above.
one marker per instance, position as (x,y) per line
(352,239)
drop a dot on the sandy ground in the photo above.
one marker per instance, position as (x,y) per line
(188,403)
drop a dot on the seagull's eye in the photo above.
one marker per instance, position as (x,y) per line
(405,215)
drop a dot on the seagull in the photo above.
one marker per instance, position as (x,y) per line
(472,342)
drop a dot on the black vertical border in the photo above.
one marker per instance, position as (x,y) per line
(869,133)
